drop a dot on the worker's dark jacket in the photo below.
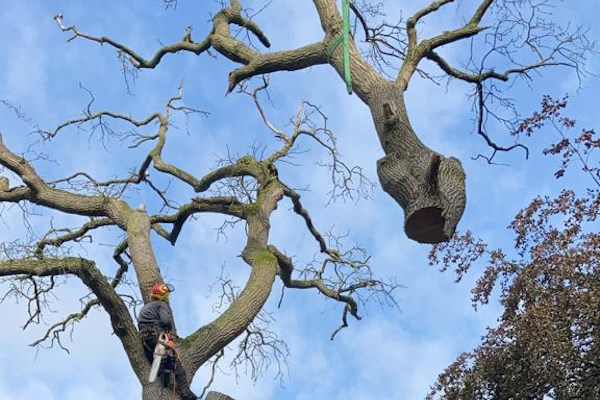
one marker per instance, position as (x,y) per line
(156,314)
(155,317)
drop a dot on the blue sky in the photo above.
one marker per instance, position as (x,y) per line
(388,354)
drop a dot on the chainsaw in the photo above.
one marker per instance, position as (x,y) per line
(163,345)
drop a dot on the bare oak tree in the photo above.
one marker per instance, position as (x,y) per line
(518,39)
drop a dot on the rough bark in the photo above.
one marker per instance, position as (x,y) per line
(218,396)
(156,392)
(142,255)
(120,318)
(208,340)
(428,186)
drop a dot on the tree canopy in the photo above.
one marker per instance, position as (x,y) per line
(111,218)
(546,344)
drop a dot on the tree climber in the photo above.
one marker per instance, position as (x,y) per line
(155,319)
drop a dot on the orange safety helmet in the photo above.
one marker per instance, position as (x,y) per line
(161,291)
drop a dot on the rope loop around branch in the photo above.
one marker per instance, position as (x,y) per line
(345,39)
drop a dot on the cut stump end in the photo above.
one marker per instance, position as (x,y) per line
(426,225)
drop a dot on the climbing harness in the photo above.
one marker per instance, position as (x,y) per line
(344,38)
(165,349)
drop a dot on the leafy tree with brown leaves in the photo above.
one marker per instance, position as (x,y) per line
(547,342)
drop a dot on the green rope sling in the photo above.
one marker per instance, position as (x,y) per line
(345,38)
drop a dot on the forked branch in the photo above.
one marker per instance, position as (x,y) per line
(121,320)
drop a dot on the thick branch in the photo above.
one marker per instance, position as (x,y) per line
(141,252)
(208,340)
(470,29)
(364,77)
(15,195)
(411,23)
(290,60)
(42,194)
(121,320)
(227,205)
(164,167)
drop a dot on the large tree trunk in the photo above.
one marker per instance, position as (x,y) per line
(217,396)
(428,186)
(157,392)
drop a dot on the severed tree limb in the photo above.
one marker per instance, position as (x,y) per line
(431,212)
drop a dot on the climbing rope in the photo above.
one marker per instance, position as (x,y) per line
(345,39)
(346,19)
